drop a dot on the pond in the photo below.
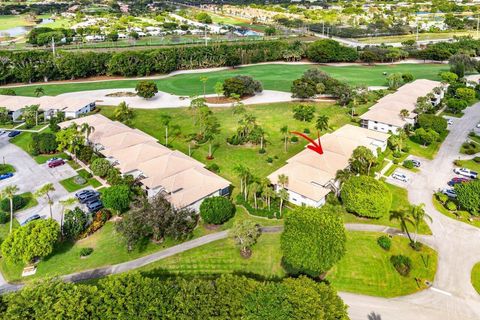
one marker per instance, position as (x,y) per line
(18,31)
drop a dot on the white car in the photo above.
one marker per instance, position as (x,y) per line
(466,172)
(400,176)
(450,193)
(478,125)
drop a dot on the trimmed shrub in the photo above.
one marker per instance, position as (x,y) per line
(294,139)
(216,210)
(100,167)
(397,154)
(384,242)
(84,252)
(451,206)
(269,160)
(242,86)
(408,164)
(213,167)
(366,197)
(476,159)
(402,264)
(18,203)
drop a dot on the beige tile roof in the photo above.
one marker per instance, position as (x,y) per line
(183,178)
(308,172)
(14,103)
(387,109)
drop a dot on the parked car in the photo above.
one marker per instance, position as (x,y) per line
(86,196)
(2,133)
(94,206)
(416,163)
(53,159)
(400,176)
(30,219)
(457,180)
(6,176)
(478,125)
(450,192)
(466,172)
(56,163)
(14,133)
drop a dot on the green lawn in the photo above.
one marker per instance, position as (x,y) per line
(270,116)
(365,269)
(476,277)
(272,76)
(6,168)
(399,202)
(70,185)
(12,21)
(109,249)
(421,36)
(427,152)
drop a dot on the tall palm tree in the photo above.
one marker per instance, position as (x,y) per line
(45,191)
(404,218)
(284,196)
(404,113)
(343,175)
(284,131)
(65,204)
(204,81)
(418,215)
(87,130)
(282,180)
(255,187)
(9,192)
(322,123)
(123,113)
(244,175)
(165,121)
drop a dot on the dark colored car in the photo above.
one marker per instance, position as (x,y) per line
(94,206)
(56,163)
(457,180)
(14,133)
(6,176)
(86,196)
(416,163)
(30,219)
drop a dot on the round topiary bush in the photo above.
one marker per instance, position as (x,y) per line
(294,139)
(18,203)
(384,242)
(79,180)
(216,210)
(408,164)
(366,196)
(84,252)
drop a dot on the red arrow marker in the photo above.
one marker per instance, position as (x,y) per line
(317,147)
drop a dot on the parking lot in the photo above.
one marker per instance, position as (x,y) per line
(30,176)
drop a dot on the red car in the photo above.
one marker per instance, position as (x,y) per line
(457,180)
(56,163)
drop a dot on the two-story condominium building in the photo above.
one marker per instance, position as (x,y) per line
(385,116)
(184,181)
(311,176)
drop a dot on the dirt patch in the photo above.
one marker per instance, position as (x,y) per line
(211,226)
(247,253)
(121,94)
(222,99)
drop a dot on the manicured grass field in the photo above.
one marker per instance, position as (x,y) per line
(427,152)
(271,117)
(476,277)
(12,21)
(273,77)
(70,185)
(6,168)
(399,202)
(365,268)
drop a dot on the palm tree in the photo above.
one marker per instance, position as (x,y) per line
(123,113)
(165,121)
(255,187)
(39,91)
(284,131)
(282,180)
(343,175)
(9,192)
(283,194)
(244,174)
(322,123)
(44,191)
(204,81)
(66,204)
(404,113)
(418,215)
(86,129)
(269,194)
(403,217)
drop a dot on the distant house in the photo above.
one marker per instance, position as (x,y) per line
(72,107)
(311,176)
(183,180)
(385,115)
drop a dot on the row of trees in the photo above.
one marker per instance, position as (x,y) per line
(134,296)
